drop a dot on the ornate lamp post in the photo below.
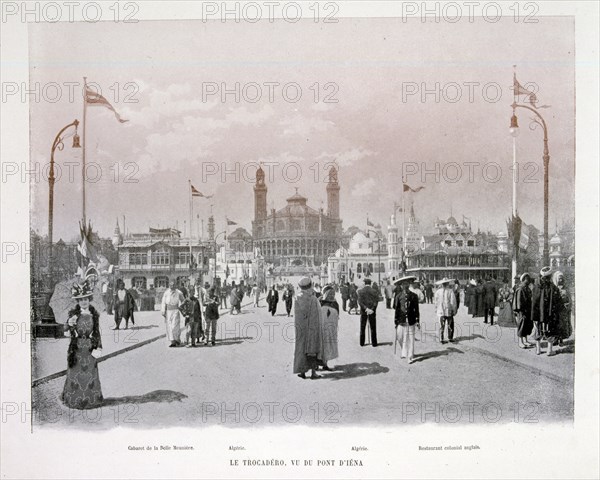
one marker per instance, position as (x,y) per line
(514,133)
(539,120)
(57,145)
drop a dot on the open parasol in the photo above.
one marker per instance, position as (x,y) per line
(62,299)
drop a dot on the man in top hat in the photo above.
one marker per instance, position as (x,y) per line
(368,298)
(309,330)
(406,317)
(545,305)
(445,307)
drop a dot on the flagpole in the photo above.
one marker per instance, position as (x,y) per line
(191,213)
(83,146)
(403,224)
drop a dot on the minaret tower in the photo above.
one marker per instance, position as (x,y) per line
(333,194)
(260,204)
(117,239)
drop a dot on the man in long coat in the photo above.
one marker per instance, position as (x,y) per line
(171,301)
(545,304)
(309,334)
(273,300)
(522,309)
(490,294)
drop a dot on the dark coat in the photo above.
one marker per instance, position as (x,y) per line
(406,308)
(490,294)
(272,299)
(368,297)
(124,310)
(344,290)
(523,309)
(212,306)
(545,306)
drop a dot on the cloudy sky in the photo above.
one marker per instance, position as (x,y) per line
(374,70)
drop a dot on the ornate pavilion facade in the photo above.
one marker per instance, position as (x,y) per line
(296,238)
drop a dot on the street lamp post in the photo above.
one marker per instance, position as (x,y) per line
(514,132)
(539,120)
(57,145)
(224,232)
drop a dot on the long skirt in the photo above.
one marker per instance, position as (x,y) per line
(564,325)
(330,333)
(82,387)
(173,325)
(505,315)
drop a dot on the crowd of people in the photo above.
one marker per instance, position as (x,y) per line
(540,309)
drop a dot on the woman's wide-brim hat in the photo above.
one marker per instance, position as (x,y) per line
(546,271)
(80,291)
(305,282)
(524,276)
(473,282)
(408,278)
(444,281)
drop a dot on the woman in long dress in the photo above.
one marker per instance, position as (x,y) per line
(479,308)
(505,312)
(82,388)
(352,299)
(564,313)
(330,313)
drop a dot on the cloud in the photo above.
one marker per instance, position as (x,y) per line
(364,188)
(300,125)
(347,158)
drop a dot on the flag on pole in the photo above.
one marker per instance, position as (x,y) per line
(407,188)
(230,222)
(520,90)
(94,99)
(524,236)
(197,193)
(85,247)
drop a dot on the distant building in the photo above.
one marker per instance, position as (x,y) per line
(366,257)
(159,256)
(455,251)
(296,238)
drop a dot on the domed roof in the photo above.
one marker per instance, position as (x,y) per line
(555,240)
(452,221)
(297,199)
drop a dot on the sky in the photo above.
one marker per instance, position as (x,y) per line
(375,123)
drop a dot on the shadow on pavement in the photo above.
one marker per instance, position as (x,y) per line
(144,327)
(470,337)
(354,370)
(436,353)
(158,396)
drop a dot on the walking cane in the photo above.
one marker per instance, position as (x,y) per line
(395,338)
